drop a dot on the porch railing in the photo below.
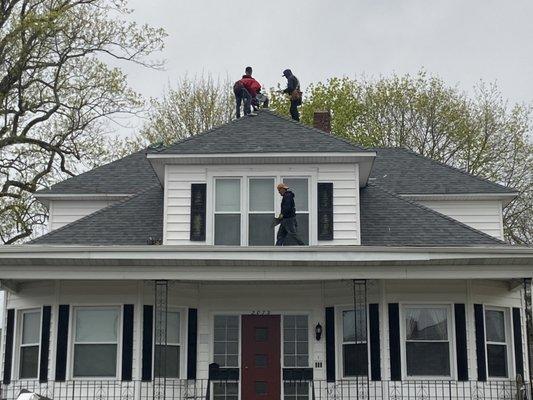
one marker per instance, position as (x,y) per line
(291,390)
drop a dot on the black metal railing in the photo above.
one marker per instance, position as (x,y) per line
(202,389)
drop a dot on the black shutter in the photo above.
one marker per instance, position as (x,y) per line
(148,333)
(198,206)
(394,342)
(192,335)
(517,335)
(330,344)
(62,342)
(45,343)
(8,351)
(460,342)
(325,211)
(479,319)
(375,358)
(127,341)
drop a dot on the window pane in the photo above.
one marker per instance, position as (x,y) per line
(497,360)
(300,189)
(95,360)
(295,340)
(96,325)
(226,340)
(302,228)
(262,194)
(173,328)
(31,327)
(428,359)
(228,195)
(296,391)
(495,321)
(355,359)
(261,231)
(426,324)
(225,391)
(228,229)
(172,361)
(29,360)
(351,327)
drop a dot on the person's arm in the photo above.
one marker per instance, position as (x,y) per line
(285,206)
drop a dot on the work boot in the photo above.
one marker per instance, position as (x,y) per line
(252,114)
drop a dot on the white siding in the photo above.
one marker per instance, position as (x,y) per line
(178,180)
(63,212)
(485,215)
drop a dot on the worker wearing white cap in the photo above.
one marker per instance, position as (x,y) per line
(287,218)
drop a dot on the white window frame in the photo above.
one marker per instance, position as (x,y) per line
(250,212)
(309,339)
(239,341)
(508,341)
(184,326)
(339,339)
(20,328)
(244,174)
(241,213)
(72,341)
(451,340)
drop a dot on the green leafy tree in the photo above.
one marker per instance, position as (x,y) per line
(57,94)
(479,133)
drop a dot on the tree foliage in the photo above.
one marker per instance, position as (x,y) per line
(57,93)
(479,133)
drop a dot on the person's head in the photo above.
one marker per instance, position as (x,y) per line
(287,73)
(248,70)
(282,188)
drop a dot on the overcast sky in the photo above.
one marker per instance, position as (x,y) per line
(462,41)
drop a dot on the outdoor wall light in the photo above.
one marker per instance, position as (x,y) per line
(318,331)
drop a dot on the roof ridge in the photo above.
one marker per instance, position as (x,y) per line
(316,129)
(443,216)
(456,169)
(73,223)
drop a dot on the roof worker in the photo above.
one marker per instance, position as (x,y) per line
(254,88)
(242,96)
(287,218)
(293,90)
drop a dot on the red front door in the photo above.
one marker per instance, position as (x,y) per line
(261,352)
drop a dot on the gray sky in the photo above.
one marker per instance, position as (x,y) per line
(462,41)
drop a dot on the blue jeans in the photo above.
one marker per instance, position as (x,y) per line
(288,227)
(243,97)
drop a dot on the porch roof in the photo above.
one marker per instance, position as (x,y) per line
(209,263)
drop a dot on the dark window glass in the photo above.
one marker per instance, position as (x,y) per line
(96,360)
(355,359)
(497,360)
(261,334)
(261,231)
(428,359)
(29,360)
(172,361)
(296,391)
(261,360)
(225,391)
(228,229)
(261,388)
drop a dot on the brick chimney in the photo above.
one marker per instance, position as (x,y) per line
(322,121)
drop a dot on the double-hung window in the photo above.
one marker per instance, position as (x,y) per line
(228,211)
(29,344)
(354,343)
(167,358)
(96,333)
(427,340)
(300,188)
(497,343)
(260,211)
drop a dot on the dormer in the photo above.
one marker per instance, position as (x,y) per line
(220,186)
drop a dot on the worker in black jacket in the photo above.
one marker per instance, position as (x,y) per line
(293,90)
(287,218)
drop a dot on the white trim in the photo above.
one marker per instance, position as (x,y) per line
(451,339)
(339,342)
(280,154)
(46,197)
(508,341)
(183,334)
(460,196)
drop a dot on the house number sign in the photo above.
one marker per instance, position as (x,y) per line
(260,312)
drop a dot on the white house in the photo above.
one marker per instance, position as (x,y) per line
(159,278)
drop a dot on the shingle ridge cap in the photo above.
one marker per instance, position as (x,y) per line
(117,204)
(381,188)
(456,169)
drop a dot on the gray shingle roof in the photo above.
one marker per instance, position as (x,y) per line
(390,220)
(130,222)
(265,133)
(403,171)
(129,175)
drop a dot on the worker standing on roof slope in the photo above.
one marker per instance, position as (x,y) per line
(254,88)
(242,96)
(293,90)
(287,218)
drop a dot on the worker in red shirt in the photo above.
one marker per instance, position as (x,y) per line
(254,88)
